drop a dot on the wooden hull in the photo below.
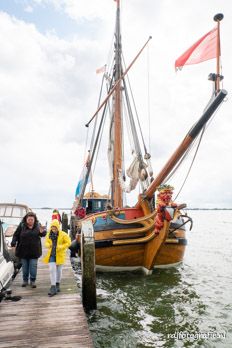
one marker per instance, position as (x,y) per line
(131,257)
(128,242)
(170,255)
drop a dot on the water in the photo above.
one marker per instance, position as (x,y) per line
(193,300)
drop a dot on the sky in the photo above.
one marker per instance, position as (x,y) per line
(49,89)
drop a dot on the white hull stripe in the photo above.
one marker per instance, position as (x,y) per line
(146,271)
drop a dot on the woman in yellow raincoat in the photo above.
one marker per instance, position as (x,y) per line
(57,242)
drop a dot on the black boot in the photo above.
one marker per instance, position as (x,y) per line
(52,291)
(57,287)
(33,285)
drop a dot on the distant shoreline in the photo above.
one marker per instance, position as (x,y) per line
(208,209)
(47,208)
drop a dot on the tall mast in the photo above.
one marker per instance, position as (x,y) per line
(104,104)
(218,17)
(117,115)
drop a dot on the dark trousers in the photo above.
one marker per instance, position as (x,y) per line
(74,248)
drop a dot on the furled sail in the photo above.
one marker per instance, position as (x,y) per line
(136,172)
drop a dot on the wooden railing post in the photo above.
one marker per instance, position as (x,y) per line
(88,266)
(65,222)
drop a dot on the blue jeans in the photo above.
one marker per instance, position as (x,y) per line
(29,267)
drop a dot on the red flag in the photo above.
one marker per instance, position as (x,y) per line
(203,49)
(101,70)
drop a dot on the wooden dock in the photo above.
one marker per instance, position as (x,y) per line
(40,321)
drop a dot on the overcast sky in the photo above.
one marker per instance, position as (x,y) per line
(50,50)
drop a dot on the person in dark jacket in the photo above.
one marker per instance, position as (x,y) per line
(27,240)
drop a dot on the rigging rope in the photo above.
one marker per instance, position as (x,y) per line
(190,167)
(148,99)
(98,146)
(123,160)
(177,166)
(132,123)
(105,76)
(187,153)
(100,138)
(129,132)
(95,122)
(93,152)
(94,131)
(85,149)
(136,112)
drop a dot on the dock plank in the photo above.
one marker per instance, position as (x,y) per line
(40,321)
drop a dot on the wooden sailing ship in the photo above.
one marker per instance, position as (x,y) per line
(152,232)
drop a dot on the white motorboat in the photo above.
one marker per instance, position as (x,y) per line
(6,265)
(11,215)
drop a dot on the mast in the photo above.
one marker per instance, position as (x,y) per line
(117,116)
(104,104)
(218,17)
(115,91)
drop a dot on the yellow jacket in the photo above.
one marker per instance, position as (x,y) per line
(63,242)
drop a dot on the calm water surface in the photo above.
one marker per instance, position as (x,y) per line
(194,299)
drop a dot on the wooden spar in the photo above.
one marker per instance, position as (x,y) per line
(192,134)
(218,17)
(115,86)
(117,116)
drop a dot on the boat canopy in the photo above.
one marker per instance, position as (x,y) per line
(12,210)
